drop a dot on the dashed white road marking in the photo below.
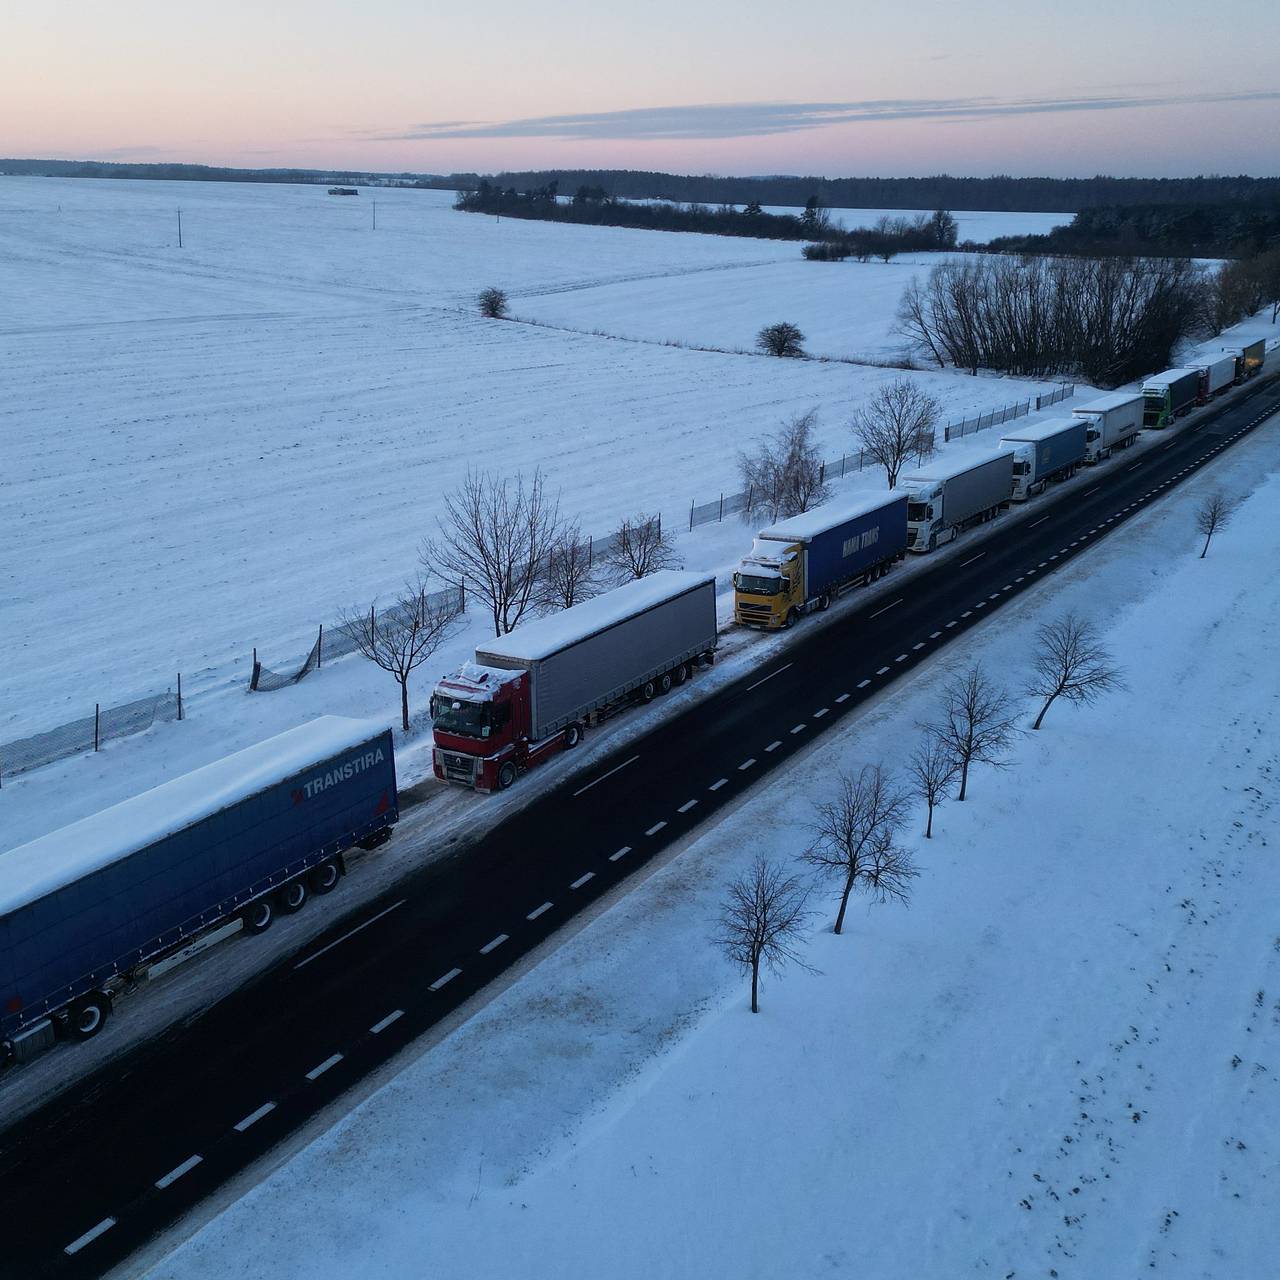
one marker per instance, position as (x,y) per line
(914,647)
(966,613)
(881,670)
(254,1116)
(774,745)
(332,1061)
(614,857)
(902,657)
(383,1023)
(798,728)
(174,1174)
(494,944)
(444,979)
(765,679)
(747,763)
(590,875)
(603,776)
(887,607)
(688,804)
(657,826)
(351,933)
(715,786)
(844,697)
(953,623)
(862,684)
(933,635)
(90,1236)
(546,906)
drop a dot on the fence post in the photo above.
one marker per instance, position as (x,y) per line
(822,472)
(659,526)
(96,710)
(722,507)
(179,695)
(691,501)
(320,647)
(842,466)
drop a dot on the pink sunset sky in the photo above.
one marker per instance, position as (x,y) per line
(1144,87)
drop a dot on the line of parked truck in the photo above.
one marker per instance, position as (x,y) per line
(106,904)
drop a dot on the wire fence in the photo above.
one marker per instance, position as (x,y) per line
(89,733)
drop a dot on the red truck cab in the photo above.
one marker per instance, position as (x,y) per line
(480,719)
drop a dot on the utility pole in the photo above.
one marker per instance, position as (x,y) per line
(375,215)
(179,228)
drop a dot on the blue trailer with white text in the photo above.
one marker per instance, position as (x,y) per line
(86,909)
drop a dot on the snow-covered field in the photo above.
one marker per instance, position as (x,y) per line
(1062,1060)
(221,446)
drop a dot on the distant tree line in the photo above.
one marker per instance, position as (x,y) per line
(1227,228)
(924,233)
(1001,192)
(213,173)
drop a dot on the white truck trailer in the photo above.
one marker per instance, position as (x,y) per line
(951,495)
(1112,422)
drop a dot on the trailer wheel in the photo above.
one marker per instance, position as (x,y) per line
(664,682)
(572,736)
(709,657)
(258,916)
(293,896)
(88,1016)
(324,877)
(681,673)
(506,774)
(648,691)
(824,602)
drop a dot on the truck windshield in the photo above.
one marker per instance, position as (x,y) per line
(1022,468)
(454,715)
(917,511)
(759,585)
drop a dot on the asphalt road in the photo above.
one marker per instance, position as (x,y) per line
(124,1153)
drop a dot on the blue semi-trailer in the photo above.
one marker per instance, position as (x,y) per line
(804,562)
(86,909)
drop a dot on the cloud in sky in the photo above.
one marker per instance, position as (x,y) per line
(757,119)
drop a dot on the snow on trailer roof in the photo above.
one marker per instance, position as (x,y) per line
(1169,376)
(955,464)
(1045,430)
(52,861)
(549,635)
(1116,400)
(808,524)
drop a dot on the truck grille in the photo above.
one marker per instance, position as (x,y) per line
(458,768)
(754,613)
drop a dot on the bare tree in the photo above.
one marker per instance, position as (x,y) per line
(781,339)
(1212,514)
(897,423)
(933,773)
(492,303)
(493,540)
(762,922)
(570,573)
(785,475)
(639,547)
(402,637)
(1071,662)
(977,725)
(856,839)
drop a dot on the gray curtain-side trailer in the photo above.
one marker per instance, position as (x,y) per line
(593,655)
(83,908)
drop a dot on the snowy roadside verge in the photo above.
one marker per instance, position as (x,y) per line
(1031,1068)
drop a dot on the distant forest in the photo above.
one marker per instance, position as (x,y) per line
(999,193)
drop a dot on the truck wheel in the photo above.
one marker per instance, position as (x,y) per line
(681,673)
(648,691)
(664,682)
(88,1016)
(572,736)
(258,916)
(793,616)
(933,542)
(293,896)
(824,602)
(506,774)
(324,878)
(709,658)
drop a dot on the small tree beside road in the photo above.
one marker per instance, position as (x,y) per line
(492,303)
(782,339)
(1212,514)
(1071,662)
(570,573)
(493,541)
(762,922)
(403,636)
(639,547)
(784,475)
(932,769)
(977,723)
(898,423)
(856,840)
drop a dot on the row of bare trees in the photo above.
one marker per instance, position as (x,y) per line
(1242,287)
(1107,320)
(503,541)
(857,840)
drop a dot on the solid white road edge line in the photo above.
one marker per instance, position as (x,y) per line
(603,776)
(315,955)
(769,677)
(887,607)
